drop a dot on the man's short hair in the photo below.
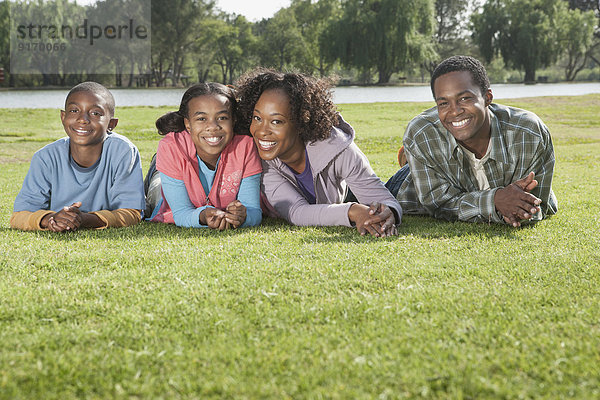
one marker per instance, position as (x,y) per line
(463,63)
(98,90)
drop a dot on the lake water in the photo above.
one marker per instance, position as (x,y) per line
(352,94)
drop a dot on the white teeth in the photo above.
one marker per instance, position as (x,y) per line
(264,143)
(213,139)
(80,131)
(462,123)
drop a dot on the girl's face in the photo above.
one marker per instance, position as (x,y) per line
(210,125)
(272,128)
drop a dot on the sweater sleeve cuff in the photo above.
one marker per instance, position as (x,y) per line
(118,218)
(29,221)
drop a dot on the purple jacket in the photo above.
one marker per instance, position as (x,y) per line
(337,163)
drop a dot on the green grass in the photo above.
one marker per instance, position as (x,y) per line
(444,310)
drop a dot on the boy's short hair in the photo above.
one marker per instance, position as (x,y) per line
(463,63)
(97,89)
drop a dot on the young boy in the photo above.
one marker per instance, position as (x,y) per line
(90,179)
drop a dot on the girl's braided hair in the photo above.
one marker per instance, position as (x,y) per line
(174,121)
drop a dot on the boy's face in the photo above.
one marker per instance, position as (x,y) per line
(86,118)
(461,106)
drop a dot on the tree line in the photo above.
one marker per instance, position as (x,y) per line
(365,41)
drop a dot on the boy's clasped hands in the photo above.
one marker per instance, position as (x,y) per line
(233,216)
(70,218)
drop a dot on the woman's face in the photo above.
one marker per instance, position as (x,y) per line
(210,125)
(274,132)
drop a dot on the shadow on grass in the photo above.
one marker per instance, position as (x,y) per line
(419,226)
(152,230)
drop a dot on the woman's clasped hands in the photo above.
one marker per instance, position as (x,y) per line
(376,219)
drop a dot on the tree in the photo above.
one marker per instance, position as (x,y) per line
(279,40)
(43,22)
(312,19)
(5,40)
(590,5)
(451,32)
(522,31)
(174,35)
(585,5)
(576,33)
(385,35)
(233,41)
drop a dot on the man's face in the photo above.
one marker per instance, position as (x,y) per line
(462,108)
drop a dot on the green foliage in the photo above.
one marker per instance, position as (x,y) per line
(233,42)
(173,35)
(450,33)
(354,39)
(280,42)
(527,33)
(576,33)
(312,19)
(444,310)
(385,35)
(4,38)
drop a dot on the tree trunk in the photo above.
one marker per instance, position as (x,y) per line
(384,75)
(529,75)
(130,83)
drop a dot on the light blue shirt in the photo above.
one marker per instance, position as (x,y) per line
(55,180)
(187,215)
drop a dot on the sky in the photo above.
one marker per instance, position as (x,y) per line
(253,10)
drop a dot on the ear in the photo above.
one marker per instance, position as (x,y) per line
(186,122)
(488,97)
(63,114)
(112,123)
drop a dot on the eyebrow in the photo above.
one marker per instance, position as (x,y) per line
(272,114)
(458,95)
(74,103)
(218,112)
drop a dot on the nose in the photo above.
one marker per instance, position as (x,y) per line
(83,117)
(257,128)
(213,125)
(455,108)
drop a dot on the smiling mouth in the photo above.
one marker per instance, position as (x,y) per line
(82,131)
(213,140)
(461,123)
(266,145)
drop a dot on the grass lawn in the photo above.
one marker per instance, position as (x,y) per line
(444,310)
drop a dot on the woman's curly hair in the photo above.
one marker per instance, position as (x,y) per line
(312,109)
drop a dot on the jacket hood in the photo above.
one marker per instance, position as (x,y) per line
(320,153)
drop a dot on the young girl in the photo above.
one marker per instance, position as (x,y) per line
(310,158)
(210,177)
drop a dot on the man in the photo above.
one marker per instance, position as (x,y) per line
(472,160)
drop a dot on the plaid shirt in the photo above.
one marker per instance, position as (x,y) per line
(441,182)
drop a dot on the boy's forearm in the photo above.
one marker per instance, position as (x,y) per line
(93,221)
(119,218)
